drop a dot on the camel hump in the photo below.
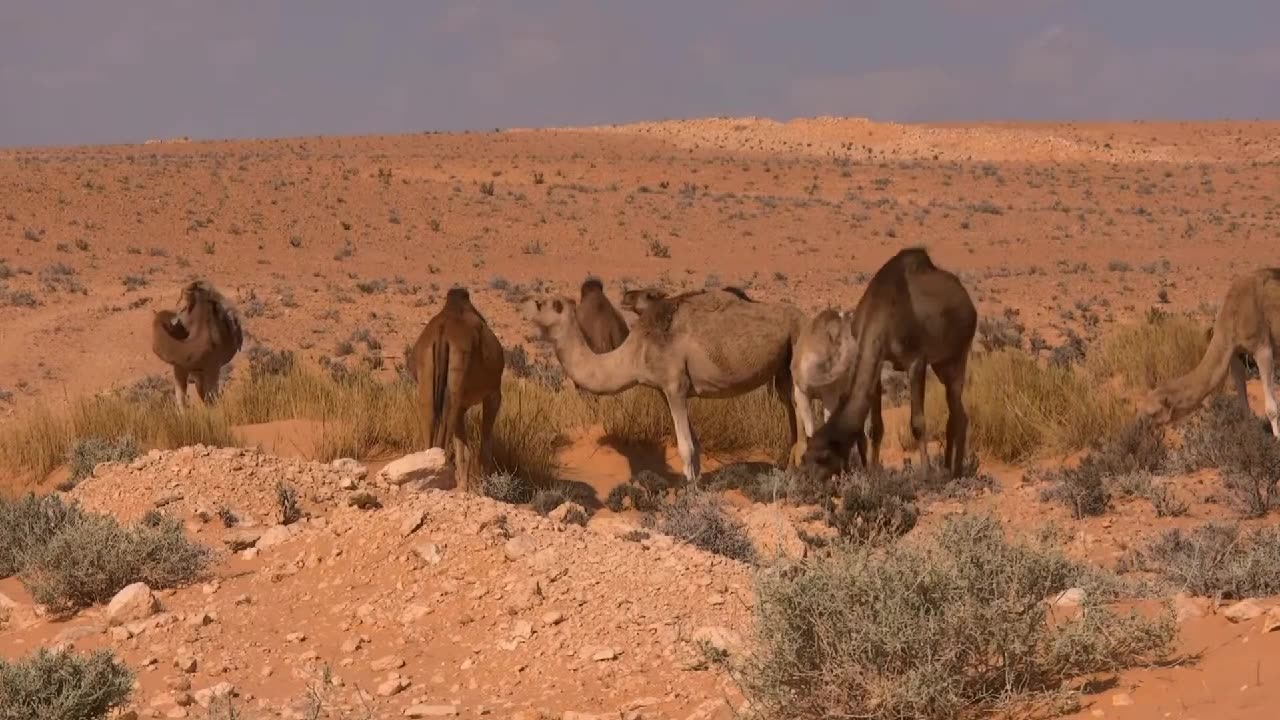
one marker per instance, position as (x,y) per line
(915,259)
(734,290)
(592,285)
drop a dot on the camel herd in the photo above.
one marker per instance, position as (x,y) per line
(720,343)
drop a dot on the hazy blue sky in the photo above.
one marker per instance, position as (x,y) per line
(89,71)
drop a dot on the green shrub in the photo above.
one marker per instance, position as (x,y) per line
(63,686)
(85,454)
(949,626)
(700,519)
(28,523)
(92,557)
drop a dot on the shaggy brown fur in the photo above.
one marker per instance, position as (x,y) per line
(197,340)
(458,362)
(602,325)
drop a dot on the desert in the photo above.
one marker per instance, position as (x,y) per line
(297,548)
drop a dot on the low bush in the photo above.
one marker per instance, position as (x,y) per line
(85,454)
(91,557)
(875,506)
(62,685)
(700,519)
(1086,488)
(1225,435)
(1214,560)
(28,523)
(952,625)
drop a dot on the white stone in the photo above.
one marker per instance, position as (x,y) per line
(425,469)
(134,602)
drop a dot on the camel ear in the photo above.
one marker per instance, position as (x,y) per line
(557,305)
(529,308)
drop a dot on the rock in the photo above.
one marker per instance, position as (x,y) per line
(275,535)
(392,687)
(1069,598)
(352,644)
(1122,699)
(413,613)
(425,469)
(1271,621)
(523,630)
(554,617)
(222,690)
(350,468)
(134,602)
(1244,611)
(430,553)
(242,539)
(721,639)
(120,633)
(166,497)
(185,663)
(390,662)
(413,519)
(1187,607)
(567,510)
(612,527)
(347,483)
(518,547)
(295,637)
(604,654)
(421,711)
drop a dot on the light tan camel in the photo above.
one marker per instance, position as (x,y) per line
(637,301)
(458,362)
(1247,322)
(914,315)
(821,368)
(709,345)
(197,340)
(602,324)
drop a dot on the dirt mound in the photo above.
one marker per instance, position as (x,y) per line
(435,599)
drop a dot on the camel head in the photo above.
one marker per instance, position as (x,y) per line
(591,286)
(553,315)
(1158,407)
(638,300)
(827,454)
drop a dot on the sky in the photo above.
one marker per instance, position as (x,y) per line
(104,71)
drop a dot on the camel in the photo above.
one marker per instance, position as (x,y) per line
(457,362)
(821,367)
(914,315)
(637,301)
(197,340)
(602,325)
(709,345)
(1247,322)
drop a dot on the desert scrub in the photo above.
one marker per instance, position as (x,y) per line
(1149,353)
(86,453)
(507,487)
(63,685)
(952,624)
(1123,463)
(1226,436)
(91,557)
(27,524)
(1214,560)
(1019,407)
(701,519)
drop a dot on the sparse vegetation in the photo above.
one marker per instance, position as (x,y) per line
(86,452)
(700,519)
(1214,560)
(63,685)
(893,632)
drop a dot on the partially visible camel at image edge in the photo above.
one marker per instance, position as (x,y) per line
(710,344)
(1246,322)
(602,325)
(914,315)
(199,338)
(457,362)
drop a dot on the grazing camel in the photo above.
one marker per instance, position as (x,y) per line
(197,340)
(457,362)
(709,345)
(914,315)
(602,325)
(821,368)
(1247,322)
(637,301)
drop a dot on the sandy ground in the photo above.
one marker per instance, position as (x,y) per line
(1077,226)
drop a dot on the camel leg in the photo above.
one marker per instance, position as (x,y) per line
(782,383)
(679,406)
(488,416)
(180,386)
(952,376)
(916,379)
(877,424)
(1265,358)
(1238,378)
(209,391)
(804,411)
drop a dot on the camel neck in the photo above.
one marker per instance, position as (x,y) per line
(603,374)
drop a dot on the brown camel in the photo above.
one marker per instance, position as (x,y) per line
(914,315)
(457,362)
(821,368)
(602,324)
(710,345)
(197,340)
(637,301)
(1247,322)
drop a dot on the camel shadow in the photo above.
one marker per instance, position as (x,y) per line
(641,456)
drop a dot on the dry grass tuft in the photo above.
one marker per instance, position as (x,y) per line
(1147,354)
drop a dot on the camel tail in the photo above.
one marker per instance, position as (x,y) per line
(436,373)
